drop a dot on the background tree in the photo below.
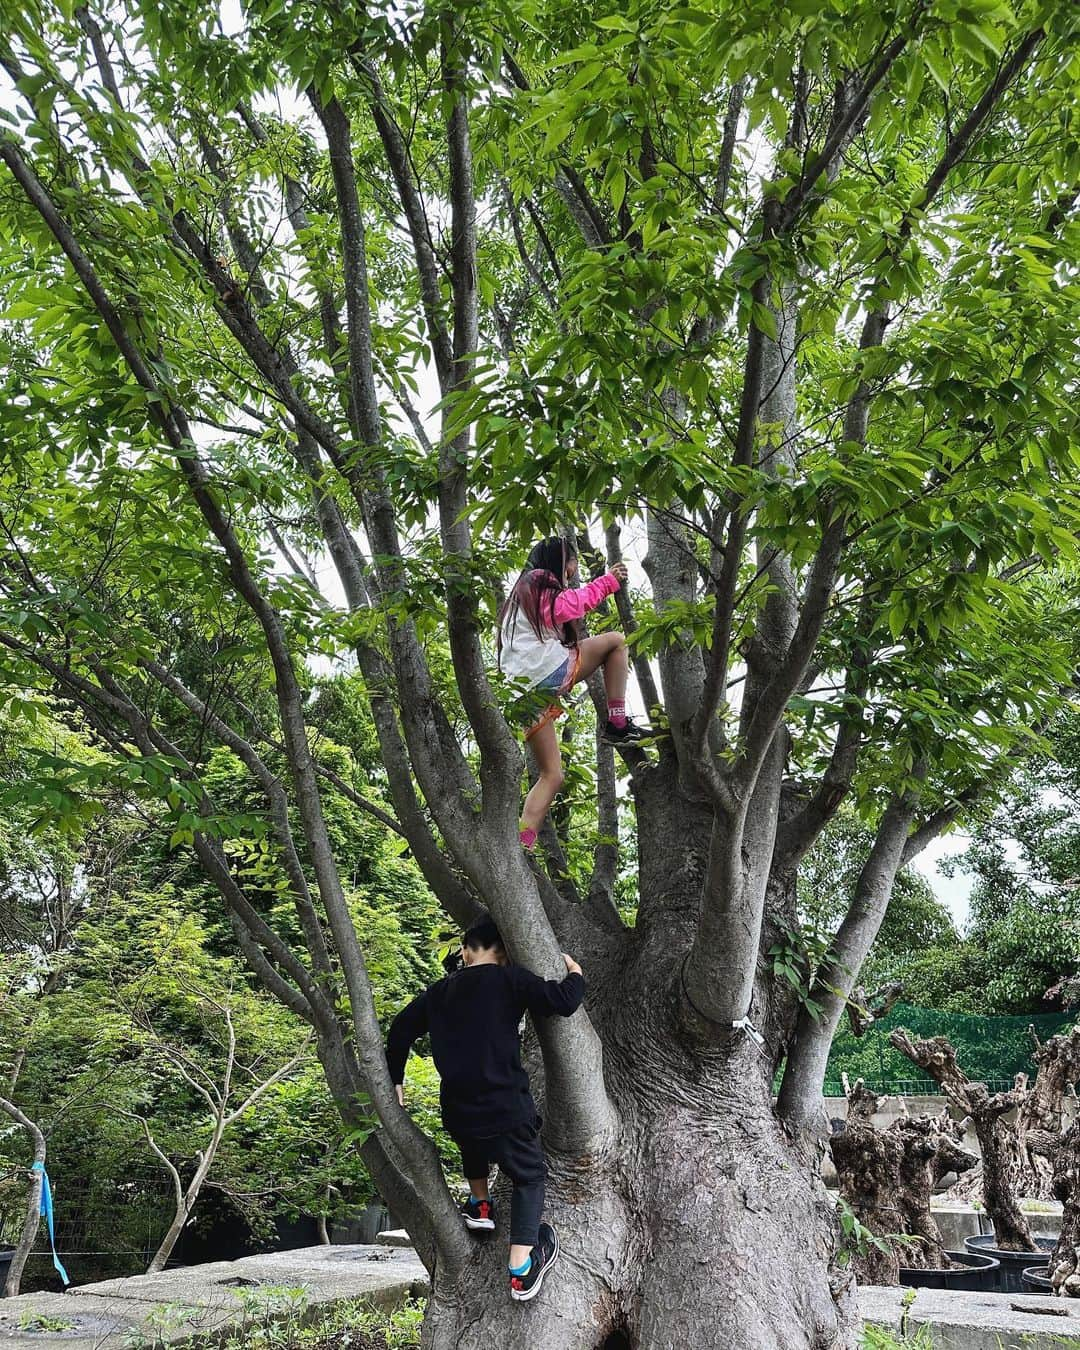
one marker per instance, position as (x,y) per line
(788,292)
(85,1022)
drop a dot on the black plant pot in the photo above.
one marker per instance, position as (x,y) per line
(969,1271)
(6,1253)
(1013,1264)
(1036,1279)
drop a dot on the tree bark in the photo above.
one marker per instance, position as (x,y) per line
(1065,1262)
(868,1163)
(888,1178)
(673,1238)
(1038,1120)
(932,1147)
(997,1142)
(32,1221)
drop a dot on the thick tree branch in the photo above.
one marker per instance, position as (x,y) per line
(276,798)
(799,1101)
(500,760)
(169,417)
(795,835)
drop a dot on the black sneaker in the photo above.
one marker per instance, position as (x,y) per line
(544,1256)
(629,734)
(479,1215)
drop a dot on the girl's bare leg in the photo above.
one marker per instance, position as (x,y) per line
(545,747)
(607,650)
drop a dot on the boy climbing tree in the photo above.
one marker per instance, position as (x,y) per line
(472,1017)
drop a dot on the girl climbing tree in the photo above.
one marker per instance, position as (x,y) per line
(541,651)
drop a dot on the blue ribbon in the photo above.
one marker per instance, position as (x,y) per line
(47,1213)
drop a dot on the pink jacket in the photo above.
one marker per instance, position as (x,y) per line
(531,660)
(575,604)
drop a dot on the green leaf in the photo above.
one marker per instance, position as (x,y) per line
(764,319)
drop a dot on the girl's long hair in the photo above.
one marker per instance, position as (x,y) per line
(533,594)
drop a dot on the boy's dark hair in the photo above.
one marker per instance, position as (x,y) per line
(482,935)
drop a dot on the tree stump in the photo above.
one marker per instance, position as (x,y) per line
(1039,1119)
(1002,1167)
(931,1147)
(888,1178)
(868,1162)
(1065,1261)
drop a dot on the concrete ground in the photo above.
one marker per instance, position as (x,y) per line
(151,1310)
(154,1310)
(961,1321)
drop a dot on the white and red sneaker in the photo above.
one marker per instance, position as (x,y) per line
(479,1215)
(544,1256)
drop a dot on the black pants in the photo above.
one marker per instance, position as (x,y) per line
(517,1152)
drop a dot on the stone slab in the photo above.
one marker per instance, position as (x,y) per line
(881,1306)
(967,1321)
(323,1274)
(189,1301)
(954,1320)
(57,1319)
(393,1237)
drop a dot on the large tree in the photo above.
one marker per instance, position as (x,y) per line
(785,292)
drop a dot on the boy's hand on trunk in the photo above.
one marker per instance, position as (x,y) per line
(572,967)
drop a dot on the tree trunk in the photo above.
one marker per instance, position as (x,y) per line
(1038,1120)
(169,1241)
(185,1206)
(931,1147)
(32,1221)
(868,1163)
(1001,1165)
(1065,1262)
(888,1178)
(700,1226)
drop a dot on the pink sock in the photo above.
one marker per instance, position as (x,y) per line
(616,711)
(527,837)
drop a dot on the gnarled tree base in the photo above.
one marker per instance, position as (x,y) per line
(698,1230)
(888,1178)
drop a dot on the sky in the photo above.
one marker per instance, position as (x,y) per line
(954,891)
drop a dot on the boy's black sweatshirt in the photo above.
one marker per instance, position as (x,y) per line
(472,1017)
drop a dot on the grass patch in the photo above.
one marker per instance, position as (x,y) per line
(278,1320)
(877,1338)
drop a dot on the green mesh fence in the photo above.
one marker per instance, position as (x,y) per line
(990,1049)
